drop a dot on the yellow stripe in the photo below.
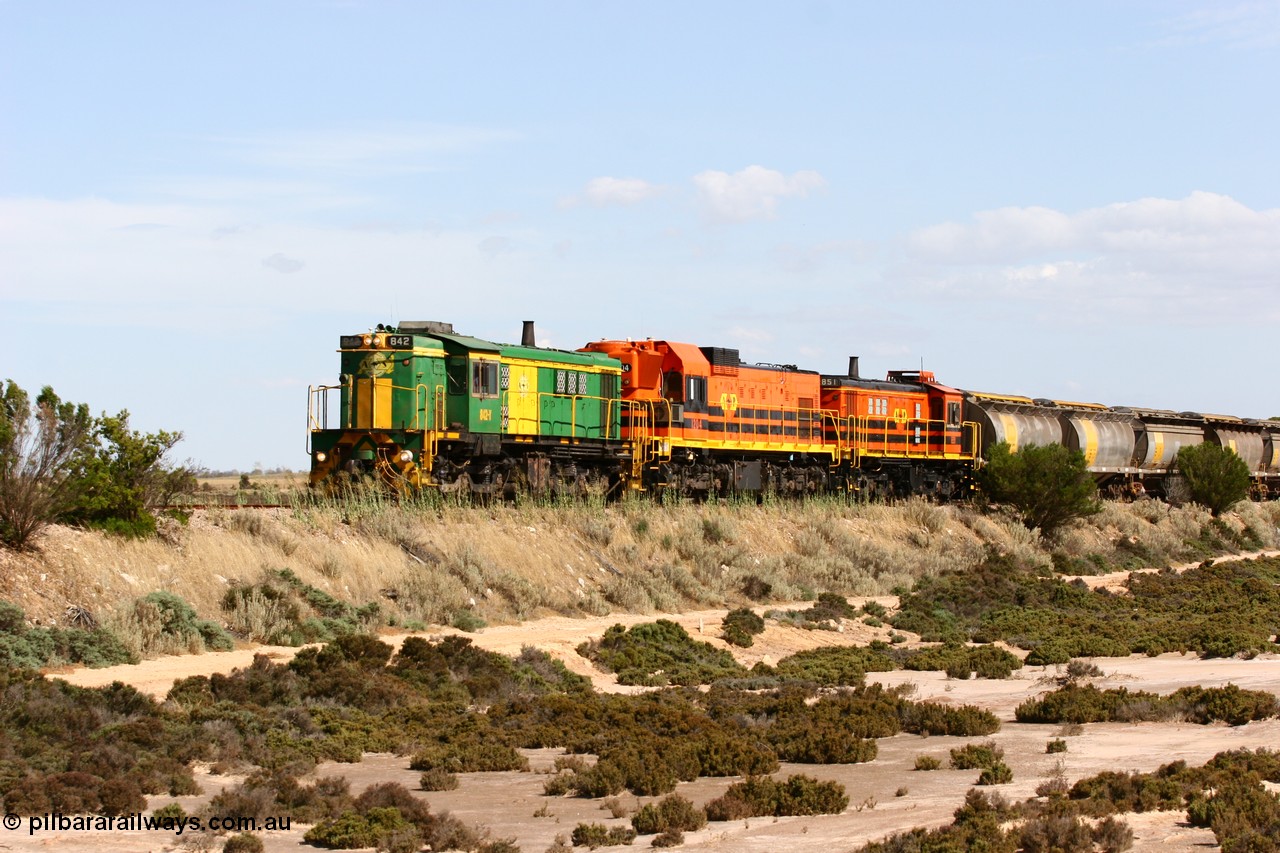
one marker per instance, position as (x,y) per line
(558,365)
(1090,441)
(1010,431)
(1158,456)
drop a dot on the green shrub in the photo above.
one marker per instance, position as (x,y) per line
(284,610)
(973,756)
(1112,836)
(438,779)
(243,843)
(669,838)
(933,718)
(605,779)
(1055,746)
(469,755)
(593,835)
(1076,703)
(740,625)
(659,653)
(997,774)
(763,796)
(352,830)
(22,647)
(673,813)
(927,762)
(835,666)
(1215,476)
(876,609)
(166,624)
(1056,834)
(173,811)
(1048,486)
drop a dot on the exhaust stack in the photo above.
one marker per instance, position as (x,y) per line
(853,367)
(526,337)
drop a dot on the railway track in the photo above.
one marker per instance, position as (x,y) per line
(228,505)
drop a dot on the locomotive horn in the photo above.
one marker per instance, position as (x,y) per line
(526,337)
(853,367)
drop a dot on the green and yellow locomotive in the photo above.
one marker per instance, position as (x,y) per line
(419,406)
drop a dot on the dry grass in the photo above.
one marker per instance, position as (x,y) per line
(426,563)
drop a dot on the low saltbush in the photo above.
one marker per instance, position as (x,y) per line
(763,796)
(1076,703)
(659,653)
(673,813)
(593,835)
(740,626)
(23,647)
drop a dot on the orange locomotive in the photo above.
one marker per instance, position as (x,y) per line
(900,436)
(701,422)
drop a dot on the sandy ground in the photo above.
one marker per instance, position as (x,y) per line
(886,795)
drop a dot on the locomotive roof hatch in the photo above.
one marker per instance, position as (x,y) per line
(425,327)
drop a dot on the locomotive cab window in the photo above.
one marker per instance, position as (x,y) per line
(673,387)
(457,373)
(953,414)
(697,396)
(484,378)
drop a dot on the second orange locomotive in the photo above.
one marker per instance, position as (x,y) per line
(702,422)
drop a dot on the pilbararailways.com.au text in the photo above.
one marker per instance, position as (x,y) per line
(137,822)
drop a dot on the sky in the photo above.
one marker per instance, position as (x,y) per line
(1076,200)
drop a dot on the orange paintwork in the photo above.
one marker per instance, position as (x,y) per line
(737,405)
(762,408)
(883,421)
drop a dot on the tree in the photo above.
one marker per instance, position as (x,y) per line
(60,464)
(39,446)
(1047,486)
(1216,477)
(123,475)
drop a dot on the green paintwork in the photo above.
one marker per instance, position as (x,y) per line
(458,387)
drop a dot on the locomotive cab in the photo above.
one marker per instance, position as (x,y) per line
(375,420)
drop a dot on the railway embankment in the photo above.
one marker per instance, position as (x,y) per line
(289,576)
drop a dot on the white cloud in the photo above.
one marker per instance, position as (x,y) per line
(397,150)
(607,191)
(1200,256)
(282,263)
(752,193)
(1251,25)
(492,247)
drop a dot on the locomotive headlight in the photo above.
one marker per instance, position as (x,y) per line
(406,455)
(377,340)
(321,456)
(366,340)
